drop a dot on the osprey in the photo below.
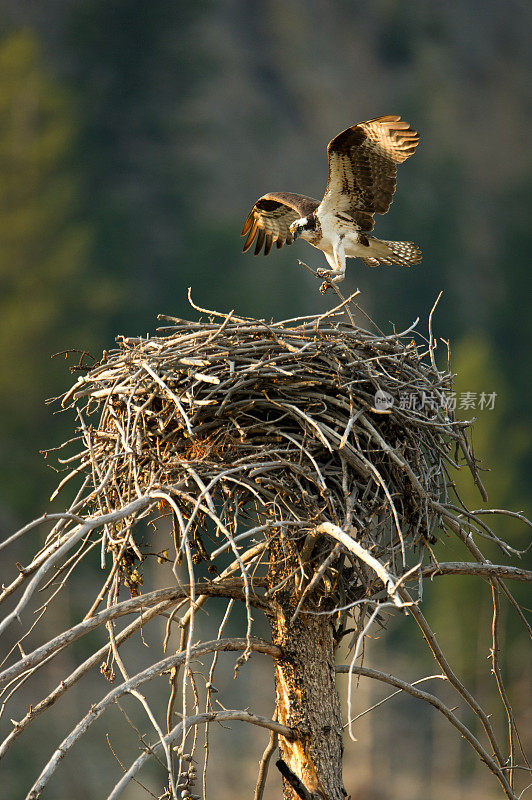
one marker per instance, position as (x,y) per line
(361,183)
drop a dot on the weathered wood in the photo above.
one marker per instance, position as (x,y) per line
(307,699)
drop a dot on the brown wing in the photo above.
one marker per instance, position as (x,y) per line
(271,217)
(362,167)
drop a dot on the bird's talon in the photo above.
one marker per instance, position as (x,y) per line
(324,286)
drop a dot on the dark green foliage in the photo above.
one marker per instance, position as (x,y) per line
(49,301)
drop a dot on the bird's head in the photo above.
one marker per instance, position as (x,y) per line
(304,225)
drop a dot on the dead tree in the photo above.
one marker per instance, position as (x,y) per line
(285,460)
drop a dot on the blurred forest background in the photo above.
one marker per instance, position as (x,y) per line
(134,138)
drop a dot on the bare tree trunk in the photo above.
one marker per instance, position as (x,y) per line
(305,685)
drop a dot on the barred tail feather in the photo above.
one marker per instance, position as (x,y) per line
(383,252)
(403,253)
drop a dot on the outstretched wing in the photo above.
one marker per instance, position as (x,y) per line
(271,217)
(363,167)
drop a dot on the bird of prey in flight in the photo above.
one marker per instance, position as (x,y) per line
(361,183)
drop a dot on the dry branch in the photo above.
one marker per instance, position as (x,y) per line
(267,442)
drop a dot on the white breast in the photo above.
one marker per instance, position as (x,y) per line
(332,229)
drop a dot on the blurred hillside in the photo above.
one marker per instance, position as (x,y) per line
(134,138)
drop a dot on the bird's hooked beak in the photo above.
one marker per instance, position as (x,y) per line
(295,229)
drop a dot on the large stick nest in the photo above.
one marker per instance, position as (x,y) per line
(239,419)
(271,448)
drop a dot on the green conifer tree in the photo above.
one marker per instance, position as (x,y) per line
(46,299)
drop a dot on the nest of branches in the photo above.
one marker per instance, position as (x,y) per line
(274,428)
(308,463)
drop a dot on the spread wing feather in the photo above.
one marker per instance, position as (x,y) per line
(363,167)
(270,219)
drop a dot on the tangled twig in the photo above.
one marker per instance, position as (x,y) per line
(243,434)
